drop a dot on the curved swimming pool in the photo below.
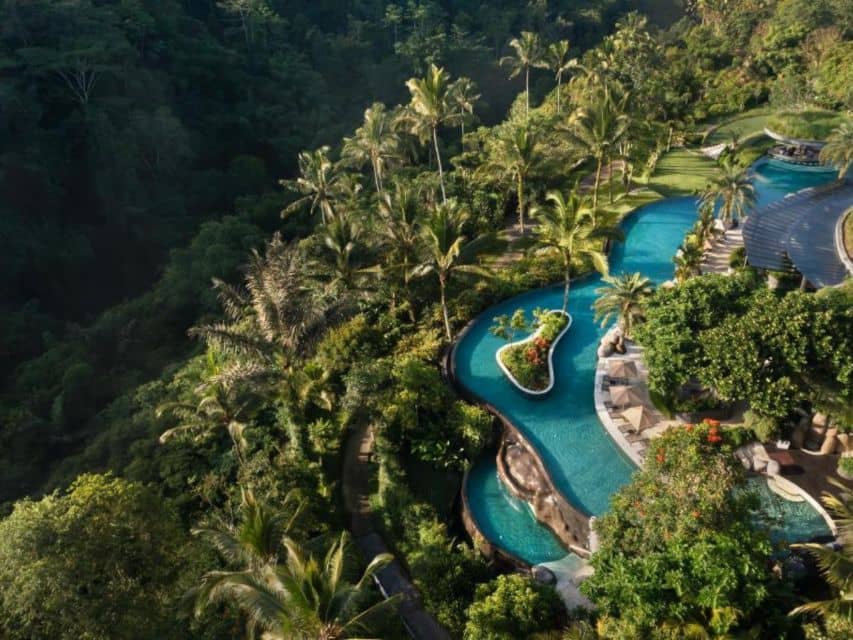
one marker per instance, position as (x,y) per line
(586,465)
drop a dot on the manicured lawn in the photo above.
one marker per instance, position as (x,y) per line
(812,124)
(681,172)
(625,204)
(848,233)
(744,126)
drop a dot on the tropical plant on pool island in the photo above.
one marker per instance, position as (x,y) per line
(623,297)
(678,547)
(569,228)
(528,361)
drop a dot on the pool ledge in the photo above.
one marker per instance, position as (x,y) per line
(579,531)
(604,417)
(792,487)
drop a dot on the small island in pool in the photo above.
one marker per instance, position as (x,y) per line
(528,363)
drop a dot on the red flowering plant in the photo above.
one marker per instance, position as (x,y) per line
(682,528)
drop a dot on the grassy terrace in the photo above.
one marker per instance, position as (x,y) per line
(812,124)
(848,233)
(744,127)
(681,172)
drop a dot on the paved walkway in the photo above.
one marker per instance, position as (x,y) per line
(716,258)
(392,580)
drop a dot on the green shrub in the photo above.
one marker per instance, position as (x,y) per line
(737,257)
(512,607)
(765,428)
(845,466)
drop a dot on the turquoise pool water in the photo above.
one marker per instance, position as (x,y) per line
(586,465)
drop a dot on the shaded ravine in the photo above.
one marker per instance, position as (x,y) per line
(586,466)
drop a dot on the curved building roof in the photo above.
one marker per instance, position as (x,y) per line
(798,233)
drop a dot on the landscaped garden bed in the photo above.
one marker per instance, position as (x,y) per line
(528,363)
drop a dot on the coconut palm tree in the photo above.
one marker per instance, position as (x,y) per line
(688,259)
(514,154)
(317,182)
(733,190)
(463,97)
(303,599)
(704,228)
(597,131)
(556,59)
(527,53)
(215,407)
(400,212)
(838,150)
(448,251)
(374,142)
(568,228)
(256,539)
(836,565)
(430,107)
(341,238)
(624,298)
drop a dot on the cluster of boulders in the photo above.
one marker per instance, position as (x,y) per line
(612,342)
(818,433)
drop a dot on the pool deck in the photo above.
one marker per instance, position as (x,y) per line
(811,474)
(633,444)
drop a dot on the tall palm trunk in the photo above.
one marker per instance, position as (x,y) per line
(610,177)
(559,82)
(527,90)
(597,183)
(567,263)
(438,161)
(376,179)
(520,196)
(442,283)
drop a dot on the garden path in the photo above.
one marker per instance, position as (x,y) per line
(392,580)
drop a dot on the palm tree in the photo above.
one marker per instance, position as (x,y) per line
(624,297)
(448,251)
(515,153)
(431,106)
(399,213)
(215,407)
(838,150)
(597,130)
(374,142)
(704,228)
(688,260)
(568,228)
(256,540)
(303,599)
(555,59)
(278,311)
(341,237)
(463,97)
(837,566)
(528,53)
(317,182)
(732,189)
